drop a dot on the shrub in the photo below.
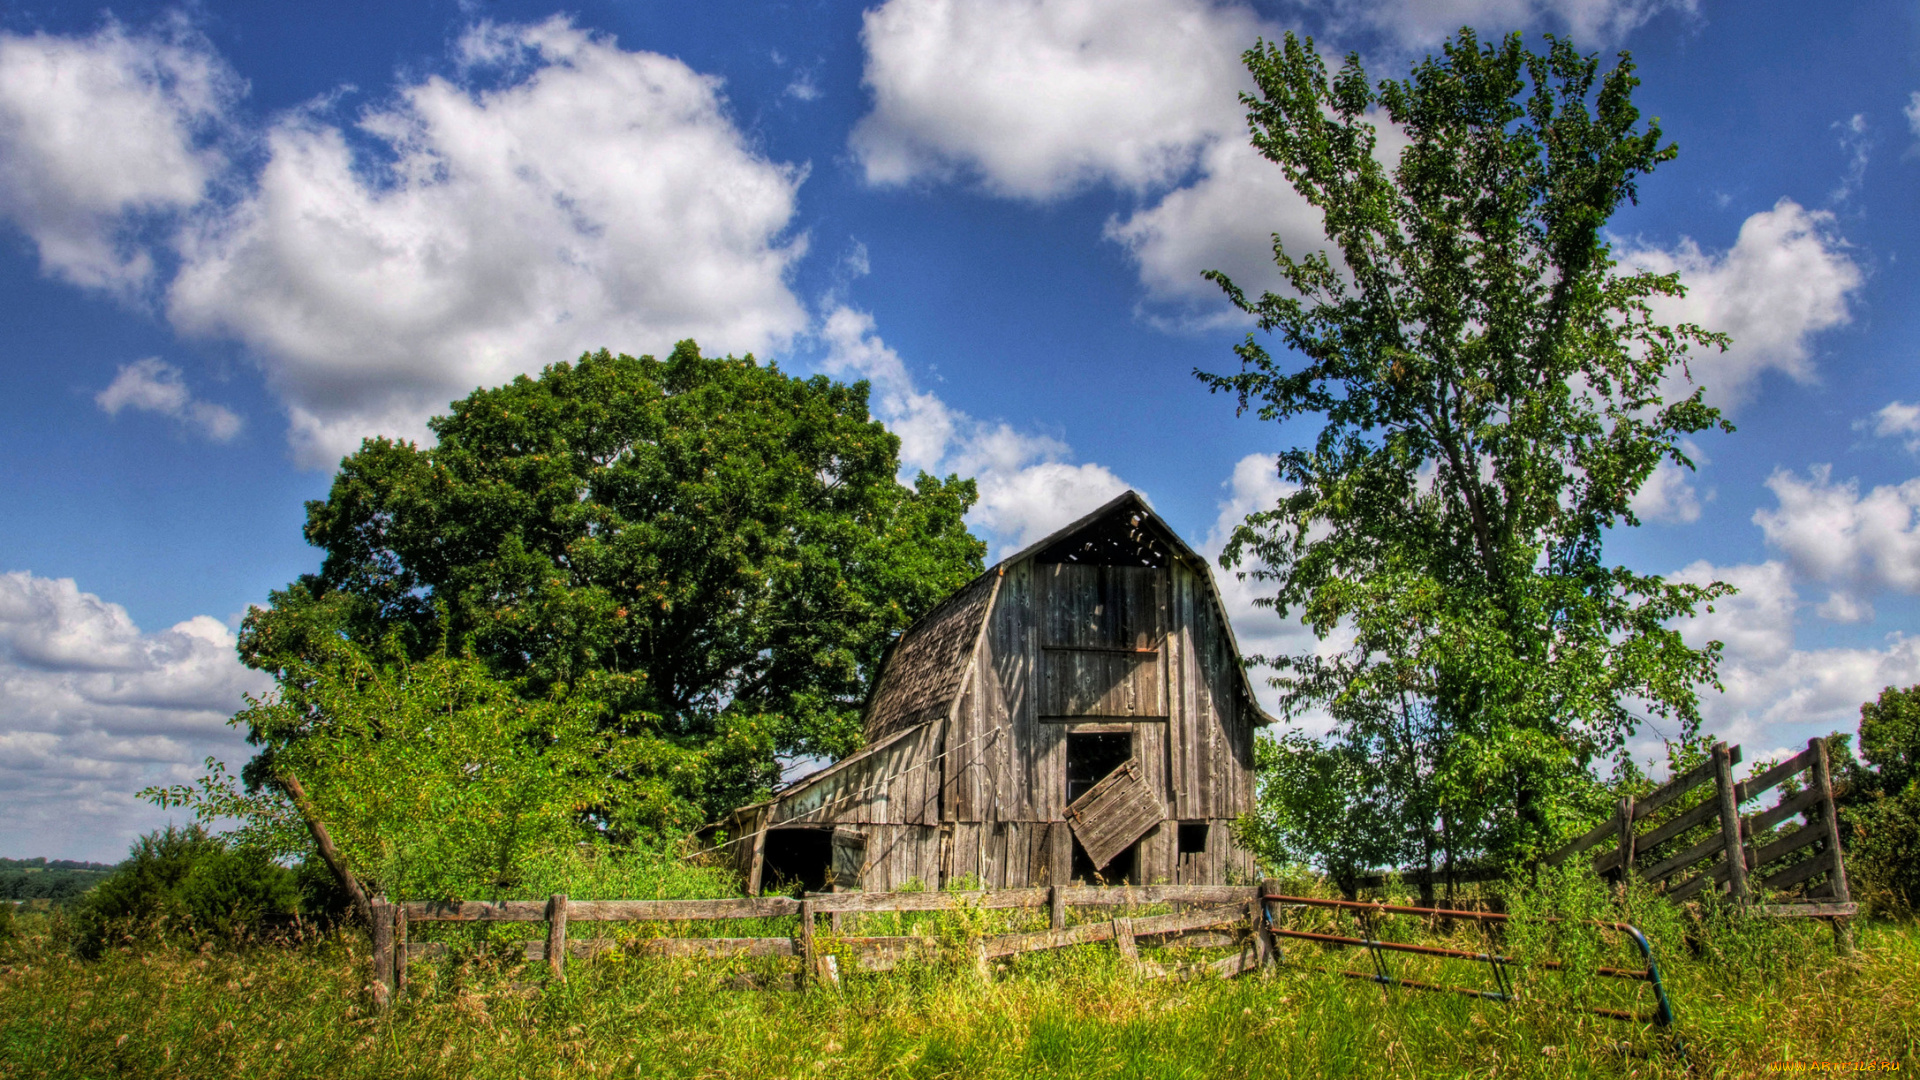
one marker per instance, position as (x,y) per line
(231,894)
(182,883)
(1884,833)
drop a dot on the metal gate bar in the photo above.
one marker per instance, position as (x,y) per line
(1661,1016)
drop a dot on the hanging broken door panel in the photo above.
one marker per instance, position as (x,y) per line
(1115,813)
(1101,629)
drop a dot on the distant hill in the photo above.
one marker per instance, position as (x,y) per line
(49,879)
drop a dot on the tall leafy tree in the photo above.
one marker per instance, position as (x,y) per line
(713,551)
(1492,390)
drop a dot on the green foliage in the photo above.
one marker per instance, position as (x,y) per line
(1490,387)
(435,778)
(182,883)
(714,553)
(1883,835)
(1880,807)
(1890,739)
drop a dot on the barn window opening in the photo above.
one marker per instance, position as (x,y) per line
(1193,838)
(1090,757)
(803,856)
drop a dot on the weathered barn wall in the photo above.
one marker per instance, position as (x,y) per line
(1211,744)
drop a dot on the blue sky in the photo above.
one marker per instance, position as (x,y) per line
(235,239)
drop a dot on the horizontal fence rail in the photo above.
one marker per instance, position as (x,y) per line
(1234,909)
(1234,916)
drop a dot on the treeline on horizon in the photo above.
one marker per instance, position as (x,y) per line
(50,879)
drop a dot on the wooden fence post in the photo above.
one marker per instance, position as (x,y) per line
(1830,814)
(382,935)
(1056,908)
(807,973)
(557,935)
(1626,838)
(399,949)
(1263,946)
(1123,941)
(1735,851)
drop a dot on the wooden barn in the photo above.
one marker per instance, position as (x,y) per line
(1079,708)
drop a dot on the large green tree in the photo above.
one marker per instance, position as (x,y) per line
(712,551)
(1491,389)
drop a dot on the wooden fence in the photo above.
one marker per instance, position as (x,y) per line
(1742,855)
(1658,838)
(1235,908)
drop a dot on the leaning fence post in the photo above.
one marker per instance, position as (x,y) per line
(1263,946)
(1056,908)
(1123,941)
(1735,852)
(557,935)
(1829,814)
(382,934)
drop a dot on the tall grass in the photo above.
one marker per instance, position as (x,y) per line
(303,1010)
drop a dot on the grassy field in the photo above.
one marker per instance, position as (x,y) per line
(303,1011)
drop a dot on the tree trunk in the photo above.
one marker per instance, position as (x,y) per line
(324,842)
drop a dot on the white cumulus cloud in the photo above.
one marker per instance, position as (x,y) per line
(1255,485)
(1777,695)
(96,132)
(1787,277)
(1897,418)
(1832,533)
(1669,495)
(1027,487)
(589,197)
(155,386)
(92,708)
(1038,98)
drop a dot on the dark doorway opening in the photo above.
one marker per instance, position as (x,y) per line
(802,856)
(1091,757)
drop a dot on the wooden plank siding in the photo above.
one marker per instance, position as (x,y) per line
(1210,736)
(1101,638)
(1115,812)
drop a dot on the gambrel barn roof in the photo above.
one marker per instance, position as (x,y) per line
(925,671)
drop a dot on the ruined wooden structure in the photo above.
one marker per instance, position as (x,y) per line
(1689,836)
(1079,712)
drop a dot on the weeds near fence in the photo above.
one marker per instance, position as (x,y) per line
(1745,1002)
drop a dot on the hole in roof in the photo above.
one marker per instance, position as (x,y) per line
(1122,538)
